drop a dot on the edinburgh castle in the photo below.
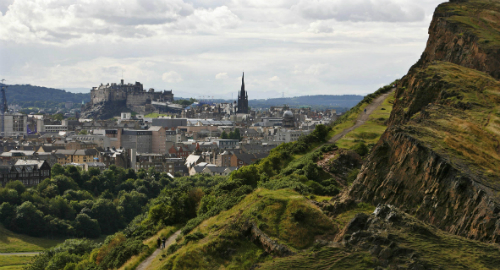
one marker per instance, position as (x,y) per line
(109,100)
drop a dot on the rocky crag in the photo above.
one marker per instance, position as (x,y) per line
(439,158)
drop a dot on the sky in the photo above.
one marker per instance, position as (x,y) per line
(199,48)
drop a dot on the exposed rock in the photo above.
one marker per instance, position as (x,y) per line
(458,40)
(269,245)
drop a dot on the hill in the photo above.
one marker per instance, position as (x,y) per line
(28,95)
(317,102)
(440,155)
(414,189)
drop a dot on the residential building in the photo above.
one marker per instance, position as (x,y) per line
(29,172)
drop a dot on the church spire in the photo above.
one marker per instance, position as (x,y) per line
(243,84)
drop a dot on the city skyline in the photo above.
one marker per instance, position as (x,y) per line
(201,47)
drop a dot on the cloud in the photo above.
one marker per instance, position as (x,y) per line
(221,76)
(83,21)
(360,10)
(274,79)
(321,27)
(171,77)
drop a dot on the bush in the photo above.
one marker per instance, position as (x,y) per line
(361,149)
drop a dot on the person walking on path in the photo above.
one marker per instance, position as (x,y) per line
(365,111)
(163,240)
(158,242)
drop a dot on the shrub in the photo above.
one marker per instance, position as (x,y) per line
(361,149)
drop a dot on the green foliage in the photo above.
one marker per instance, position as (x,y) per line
(17,186)
(56,258)
(185,102)
(361,149)
(352,176)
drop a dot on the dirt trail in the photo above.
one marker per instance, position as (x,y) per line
(363,117)
(145,264)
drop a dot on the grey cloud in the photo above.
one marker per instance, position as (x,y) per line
(359,10)
(4,5)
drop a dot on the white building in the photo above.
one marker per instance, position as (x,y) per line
(284,135)
(15,124)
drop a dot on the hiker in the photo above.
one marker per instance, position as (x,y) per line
(365,111)
(158,242)
(163,240)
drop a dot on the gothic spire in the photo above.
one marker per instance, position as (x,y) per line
(243,84)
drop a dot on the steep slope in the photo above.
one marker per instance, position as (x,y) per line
(465,32)
(440,157)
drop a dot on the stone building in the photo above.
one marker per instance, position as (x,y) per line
(109,100)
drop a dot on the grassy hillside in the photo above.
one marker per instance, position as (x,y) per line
(477,16)
(285,216)
(456,111)
(414,243)
(371,131)
(12,242)
(14,262)
(20,93)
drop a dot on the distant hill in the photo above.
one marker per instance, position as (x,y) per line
(316,101)
(26,93)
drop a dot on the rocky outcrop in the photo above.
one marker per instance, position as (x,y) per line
(269,245)
(437,159)
(373,234)
(103,110)
(465,33)
(405,172)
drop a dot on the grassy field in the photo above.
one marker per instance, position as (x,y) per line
(12,242)
(370,132)
(13,262)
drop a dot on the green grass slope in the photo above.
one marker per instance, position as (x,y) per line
(12,242)
(481,17)
(456,111)
(285,216)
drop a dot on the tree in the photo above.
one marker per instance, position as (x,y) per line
(28,220)
(224,135)
(107,215)
(17,185)
(57,169)
(87,227)
(58,117)
(7,213)
(237,135)
(64,183)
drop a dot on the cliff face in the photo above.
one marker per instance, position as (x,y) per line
(439,159)
(466,33)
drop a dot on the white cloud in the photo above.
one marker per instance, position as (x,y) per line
(82,21)
(321,27)
(313,47)
(171,77)
(360,10)
(274,79)
(221,76)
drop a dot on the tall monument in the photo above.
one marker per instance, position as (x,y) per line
(243,97)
